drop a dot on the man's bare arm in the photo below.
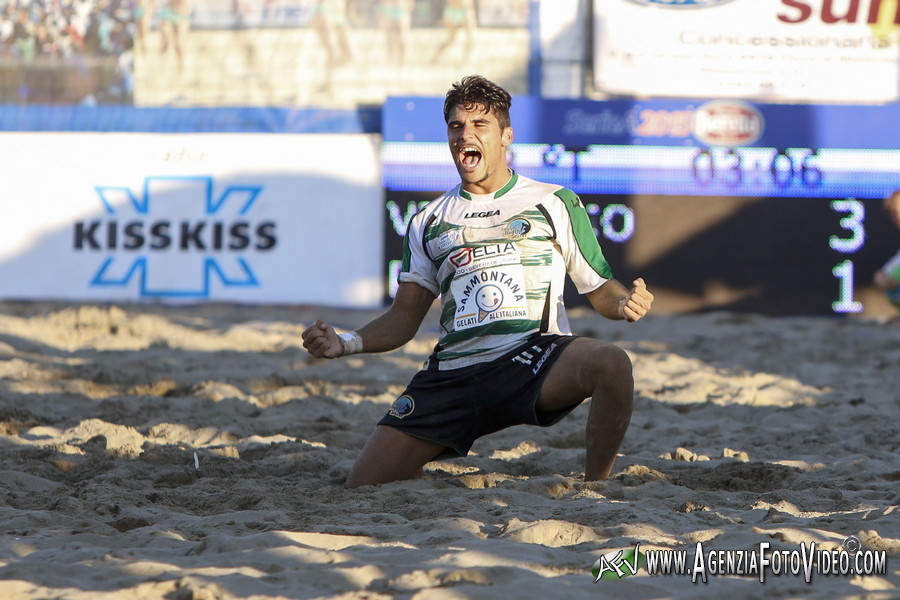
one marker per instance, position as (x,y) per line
(401,321)
(390,330)
(614,301)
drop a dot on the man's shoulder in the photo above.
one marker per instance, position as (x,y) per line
(436,204)
(551,192)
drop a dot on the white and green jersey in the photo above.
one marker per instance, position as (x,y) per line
(892,268)
(499,263)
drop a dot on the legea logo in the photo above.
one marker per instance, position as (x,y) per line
(681,3)
(176,238)
(728,123)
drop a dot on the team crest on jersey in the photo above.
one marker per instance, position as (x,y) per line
(402,407)
(518,228)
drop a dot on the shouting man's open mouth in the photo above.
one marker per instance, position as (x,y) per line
(469,157)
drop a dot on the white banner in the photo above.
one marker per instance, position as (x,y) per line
(770,50)
(240,14)
(200,217)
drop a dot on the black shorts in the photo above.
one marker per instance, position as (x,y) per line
(454,408)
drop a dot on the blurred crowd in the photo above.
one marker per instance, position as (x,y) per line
(63,28)
(83,51)
(66,51)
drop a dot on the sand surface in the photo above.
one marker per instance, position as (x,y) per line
(199,453)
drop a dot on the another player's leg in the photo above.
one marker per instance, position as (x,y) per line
(390,455)
(589,368)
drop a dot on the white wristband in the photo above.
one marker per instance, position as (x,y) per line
(622,304)
(352,343)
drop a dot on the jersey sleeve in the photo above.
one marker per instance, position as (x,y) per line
(585,263)
(416,267)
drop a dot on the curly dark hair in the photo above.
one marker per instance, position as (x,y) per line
(475,90)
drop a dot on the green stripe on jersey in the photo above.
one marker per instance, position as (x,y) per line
(438,229)
(447,310)
(584,233)
(513,178)
(404,265)
(539,259)
(509,185)
(530,214)
(537,293)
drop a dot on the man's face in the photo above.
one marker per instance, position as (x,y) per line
(478,146)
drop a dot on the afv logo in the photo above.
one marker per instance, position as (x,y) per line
(176,237)
(618,564)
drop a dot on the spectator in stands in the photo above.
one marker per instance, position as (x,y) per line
(143,18)
(330,22)
(459,16)
(394,19)
(23,39)
(174,23)
(7,25)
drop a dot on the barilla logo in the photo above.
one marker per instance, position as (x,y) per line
(681,3)
(728,123)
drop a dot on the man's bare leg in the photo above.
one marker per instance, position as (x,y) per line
(589,368)
(390,455)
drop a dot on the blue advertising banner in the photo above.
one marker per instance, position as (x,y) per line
(160,119)
(731,123)
(670,147)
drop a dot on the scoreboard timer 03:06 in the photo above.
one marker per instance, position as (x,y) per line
(775,209)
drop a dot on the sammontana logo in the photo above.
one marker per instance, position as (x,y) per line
(496,277)
(175,225)
(492,295)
